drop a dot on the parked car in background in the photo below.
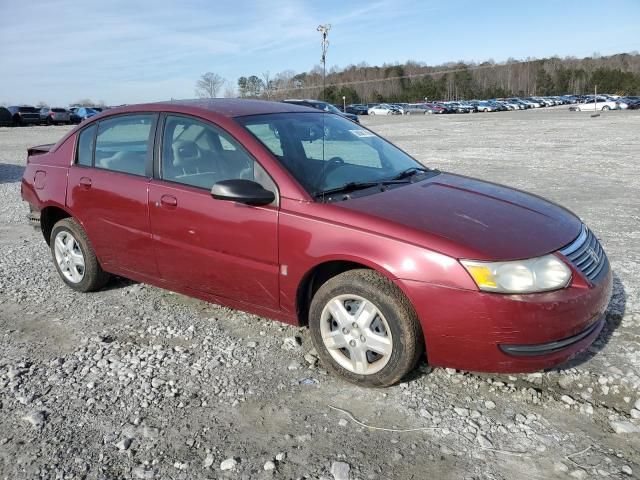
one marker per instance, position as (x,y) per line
(383,109)
(498,105)
(357,109)
(24,115)
(534,103)
(244,203)
(634,105)
(485,107)
(324,106)
(85,112)
(459,107)
(510,105)
(595,103)
(520,102)
(400,107)
(6,119)
(446,107)
(434,108)
(53,116)
(415,109)
(73,116)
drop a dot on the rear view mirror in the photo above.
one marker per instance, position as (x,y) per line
(308,132)
(242,191)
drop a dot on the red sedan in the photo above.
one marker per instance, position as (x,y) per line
(306,217)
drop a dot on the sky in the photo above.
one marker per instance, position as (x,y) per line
(131,51)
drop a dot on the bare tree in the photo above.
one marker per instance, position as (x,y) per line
(208,85)
(42,104)
(85,102)
(266,78)
(230,92)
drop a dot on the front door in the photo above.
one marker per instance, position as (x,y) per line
(219,247)
(108,190)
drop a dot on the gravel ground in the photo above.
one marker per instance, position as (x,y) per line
(138,382)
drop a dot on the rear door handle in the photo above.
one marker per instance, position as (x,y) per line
(85,182)
(169,201)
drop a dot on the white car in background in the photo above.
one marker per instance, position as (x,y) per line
(383,109)
(600,103)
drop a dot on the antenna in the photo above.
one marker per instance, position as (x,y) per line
(324,30)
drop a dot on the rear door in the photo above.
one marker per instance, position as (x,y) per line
(108,190)
(219,247)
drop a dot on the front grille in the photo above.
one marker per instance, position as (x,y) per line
(586,254)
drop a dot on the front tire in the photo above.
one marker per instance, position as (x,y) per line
(364,329)
(74,258)
(606,107)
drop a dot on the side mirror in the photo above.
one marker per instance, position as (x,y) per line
(242,191)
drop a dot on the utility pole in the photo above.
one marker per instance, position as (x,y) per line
(324,31)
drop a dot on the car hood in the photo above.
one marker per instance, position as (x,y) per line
(468,218)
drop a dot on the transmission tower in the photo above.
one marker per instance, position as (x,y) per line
(324,31)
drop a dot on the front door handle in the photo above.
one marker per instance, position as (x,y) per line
(85,182)
(169,201)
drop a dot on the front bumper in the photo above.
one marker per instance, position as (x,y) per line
(488,332)
(554,346)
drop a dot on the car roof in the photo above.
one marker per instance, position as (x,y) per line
(303,100)
(227,107)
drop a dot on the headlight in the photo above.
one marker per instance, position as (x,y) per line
(520,276)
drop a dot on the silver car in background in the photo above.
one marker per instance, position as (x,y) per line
(52,116)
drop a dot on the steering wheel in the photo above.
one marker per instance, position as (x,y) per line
(332,164)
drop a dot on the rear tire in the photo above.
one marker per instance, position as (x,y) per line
(606,107)
(360,309)
(74,257)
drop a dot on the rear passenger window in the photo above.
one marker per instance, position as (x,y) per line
(84,155)
(123,143)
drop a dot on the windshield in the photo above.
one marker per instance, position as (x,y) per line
(325,151)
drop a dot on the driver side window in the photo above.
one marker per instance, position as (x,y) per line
(198,154)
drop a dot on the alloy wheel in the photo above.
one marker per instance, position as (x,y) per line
(356,334)
(69,256)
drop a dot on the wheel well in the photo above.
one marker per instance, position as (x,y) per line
(314,279)
(49,216)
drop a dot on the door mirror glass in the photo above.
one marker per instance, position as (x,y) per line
(242,191)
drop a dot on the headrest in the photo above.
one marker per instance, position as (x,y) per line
(185,152)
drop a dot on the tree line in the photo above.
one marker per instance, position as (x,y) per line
(415,81)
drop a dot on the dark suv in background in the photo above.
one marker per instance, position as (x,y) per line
(24,115)
(5,117)
(324,106)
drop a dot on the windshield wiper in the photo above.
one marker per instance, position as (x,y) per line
(353,186)
(410,172)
